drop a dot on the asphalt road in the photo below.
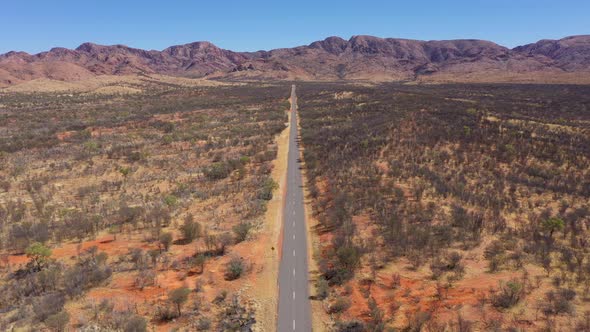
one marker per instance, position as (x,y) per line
(294,306)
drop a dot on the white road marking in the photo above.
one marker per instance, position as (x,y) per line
(293,252)
(293,325)
(293,236)
(293,295)
(293,272)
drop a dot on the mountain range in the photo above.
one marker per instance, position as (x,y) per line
(371,58)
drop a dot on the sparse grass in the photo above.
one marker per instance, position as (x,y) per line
(498,174)
(114,167)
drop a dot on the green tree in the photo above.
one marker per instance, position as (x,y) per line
(552,224)
(39,254)
(178,296)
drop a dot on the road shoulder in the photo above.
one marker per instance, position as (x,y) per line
(265,289)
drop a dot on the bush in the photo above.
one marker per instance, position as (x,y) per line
(59,321)
(509,294)
(145,277)
(47,305)
(166,240)
(234,268)
(217,171)
(135,323)
(236,317)
(559,302)
(448,263)
(190,229)
(241,231)
(341,304)
(203,324)
(268,186)
(351,326)
(164,313)
(89,271)
(220,297)
(495,254)
(322,288)
(171,200)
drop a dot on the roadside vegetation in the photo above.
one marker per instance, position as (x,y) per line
(127,211)
(450,207)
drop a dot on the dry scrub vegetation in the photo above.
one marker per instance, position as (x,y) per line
(450,207)
(127,211)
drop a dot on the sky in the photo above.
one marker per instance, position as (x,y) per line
(38,25)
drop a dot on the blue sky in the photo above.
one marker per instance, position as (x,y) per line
(35,26)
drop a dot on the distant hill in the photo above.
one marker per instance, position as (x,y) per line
(360,58)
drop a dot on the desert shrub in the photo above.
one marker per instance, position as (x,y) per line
(145,277)
(178,297)
(234,268)
(89,271)
(509,294)
(171,200)
(135,323)
(350,326)
(220,297)
(376,323)
(450,262)
(47,305)
(241,231)
(190,229)
(164,313)
(268,186)
(217,171)
(203,324)
(347,258)
(236,317)
(322,288)
(59,321)
(166,240)
(558,302)
(21,235)
(417,320)
(339,305)
(49,278)
(495,254)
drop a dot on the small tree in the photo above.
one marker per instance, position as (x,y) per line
(39,254)
(190,229)
(178,296)
(166,240)
(551,225)
(199,261)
